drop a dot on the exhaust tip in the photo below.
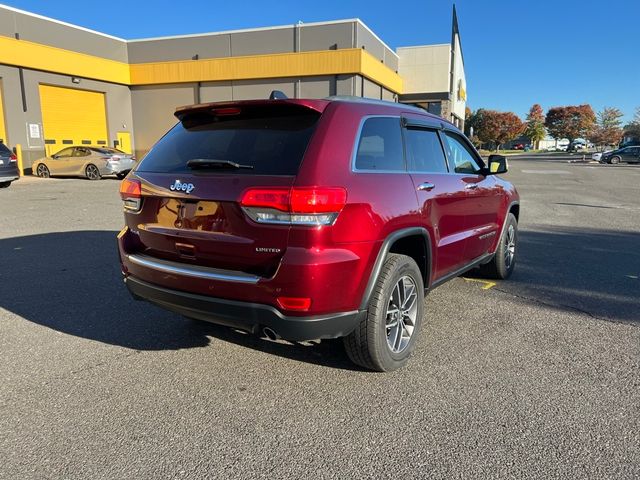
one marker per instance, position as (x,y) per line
(270,334)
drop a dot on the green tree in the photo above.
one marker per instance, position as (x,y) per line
(633,129)
(608,129)
(570,122)
(535,125)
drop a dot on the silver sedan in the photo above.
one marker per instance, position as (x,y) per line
(89,162)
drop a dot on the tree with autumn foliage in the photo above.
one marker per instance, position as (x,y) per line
(570,122)
(608,129)
(535,125)
(495,127)
(632,129)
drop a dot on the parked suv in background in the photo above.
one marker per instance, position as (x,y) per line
(626,154)
(313,219)
(8,166)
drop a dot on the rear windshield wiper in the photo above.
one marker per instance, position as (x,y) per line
(196,163)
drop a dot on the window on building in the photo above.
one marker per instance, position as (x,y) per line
(434,108)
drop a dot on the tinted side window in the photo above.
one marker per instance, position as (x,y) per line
(81,152)
(67,152)
(380,145)
(461,160)
(424,151)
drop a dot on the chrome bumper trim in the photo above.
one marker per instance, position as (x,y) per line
(193,271)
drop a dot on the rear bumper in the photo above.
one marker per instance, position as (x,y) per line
(8,173)
(251,317)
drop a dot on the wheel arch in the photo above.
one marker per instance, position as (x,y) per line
(415,242)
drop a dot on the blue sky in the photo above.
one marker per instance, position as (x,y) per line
(516,52)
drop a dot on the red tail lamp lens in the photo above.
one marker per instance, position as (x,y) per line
(318,200)
(130,189)
(300,304)
(297,200)
(267,198)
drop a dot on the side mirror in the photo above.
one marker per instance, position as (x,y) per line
(497,165)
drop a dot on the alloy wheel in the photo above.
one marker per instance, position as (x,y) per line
(401,314)
(92,172)
(510,247)
(42,171)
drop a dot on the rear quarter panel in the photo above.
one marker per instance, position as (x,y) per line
(378,204)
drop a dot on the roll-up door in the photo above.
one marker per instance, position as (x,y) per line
(72,117)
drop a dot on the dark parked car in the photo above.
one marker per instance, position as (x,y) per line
(8,166)
(626,154)
(313,219)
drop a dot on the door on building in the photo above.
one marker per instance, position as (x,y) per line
(124,142)
(72,117)
(3,131)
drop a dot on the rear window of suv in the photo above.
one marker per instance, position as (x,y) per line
(4,150)
(271,140)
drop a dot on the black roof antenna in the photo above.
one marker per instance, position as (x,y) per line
(277,95)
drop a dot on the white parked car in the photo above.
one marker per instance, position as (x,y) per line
(598,155)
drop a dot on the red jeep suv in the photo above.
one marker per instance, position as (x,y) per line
(313,219)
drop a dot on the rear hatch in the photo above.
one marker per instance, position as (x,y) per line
(195,176)
(8,165)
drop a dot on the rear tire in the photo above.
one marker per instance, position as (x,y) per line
(386,337)
(503,262)
(121,175)
(92,172)
(42,171)
(4,184)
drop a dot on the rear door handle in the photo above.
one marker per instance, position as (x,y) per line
(426,186)
(471,186)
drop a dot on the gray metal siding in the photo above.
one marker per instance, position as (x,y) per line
(153,109)
(216,92)
(388,95)
(326,37)
(370,42)
(371,89)
(390,59)
(6,23)
(46,32)
(318,87)
(257,89)
(211,46)
(262,42)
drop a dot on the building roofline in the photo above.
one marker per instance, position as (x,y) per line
(374,35)
(261,29)
(423,46)
(60,22)
(196,35)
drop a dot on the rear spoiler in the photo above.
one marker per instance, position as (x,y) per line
(235,108)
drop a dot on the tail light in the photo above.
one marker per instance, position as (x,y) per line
(294,206)
(301,304)
(13,158)
(131,194)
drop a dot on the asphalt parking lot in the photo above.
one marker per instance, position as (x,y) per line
(535,377)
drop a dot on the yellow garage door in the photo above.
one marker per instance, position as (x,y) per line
(3,132)
(72,117)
